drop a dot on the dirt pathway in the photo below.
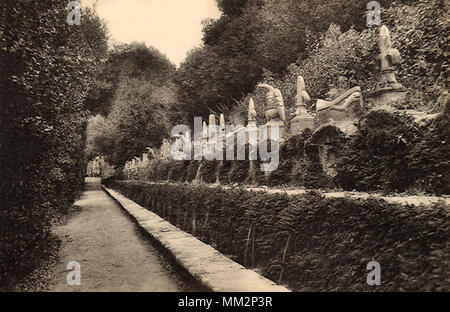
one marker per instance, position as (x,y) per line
(112,253)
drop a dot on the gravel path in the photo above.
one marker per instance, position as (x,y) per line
(113,254)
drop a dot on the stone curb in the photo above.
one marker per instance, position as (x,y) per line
(208,266)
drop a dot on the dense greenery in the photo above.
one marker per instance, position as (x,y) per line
(45,74)
(420,31)
(429,160)
(394,154)
(327,42)
(390,153)
(376,157)
(308,242)
(139,109)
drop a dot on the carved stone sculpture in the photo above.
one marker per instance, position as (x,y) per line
(276,115)
(344,108)
(204,134)
(328,138)
(302,119)
(222,124)
(389,90)
(276,104)
(166,149)
(212,135)
(251,114)
(336,119)
(387,59)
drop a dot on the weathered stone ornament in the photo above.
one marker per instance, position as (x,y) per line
(198,176)
(212,135)
(302,119)
(222,127)
(388,58)
(328,138)
(336,120)
(166,149)
(276,115)
(184,147)
(251,114)
(345,108)
(222,124)
(204,134)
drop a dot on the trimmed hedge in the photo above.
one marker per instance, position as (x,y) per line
(46,70)
(308,242)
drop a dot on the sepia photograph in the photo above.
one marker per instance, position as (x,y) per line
(224,154)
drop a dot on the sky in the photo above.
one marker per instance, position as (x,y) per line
(171,26)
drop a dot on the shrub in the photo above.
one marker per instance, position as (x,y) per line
(375,159)
(239,171)
(419,30)
(299,164)
(46,70)
(209,171)
(192,170)
(428,158)
(177,171)
(288,151)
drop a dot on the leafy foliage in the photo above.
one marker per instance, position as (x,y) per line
(387,154)
(126,61)
(308,242)
(428,158)
(139,116)
(299,166)
(420,31)
(341,61)
(327,42)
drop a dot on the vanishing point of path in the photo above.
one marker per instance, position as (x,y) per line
(112,252)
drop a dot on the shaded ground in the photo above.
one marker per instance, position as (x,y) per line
(112,252)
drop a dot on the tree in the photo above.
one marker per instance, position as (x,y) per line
(141,105)
(126,60)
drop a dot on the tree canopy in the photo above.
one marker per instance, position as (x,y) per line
(142,99)
(323,40)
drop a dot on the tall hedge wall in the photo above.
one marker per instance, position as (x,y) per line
(310,243)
